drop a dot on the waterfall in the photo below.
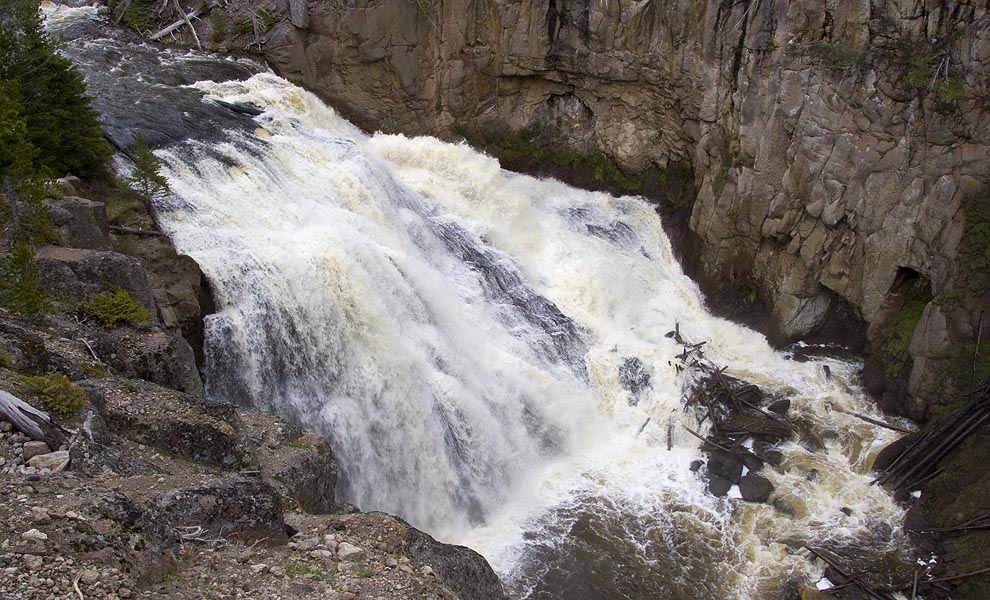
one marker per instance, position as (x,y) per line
(483,349)
(486,352)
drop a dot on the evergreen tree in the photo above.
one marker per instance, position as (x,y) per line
(20,288)
(49,96)
(146,179)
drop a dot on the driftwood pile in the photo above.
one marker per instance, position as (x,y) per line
(919,461)
(734,410)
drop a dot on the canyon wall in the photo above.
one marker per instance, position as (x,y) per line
(840,149)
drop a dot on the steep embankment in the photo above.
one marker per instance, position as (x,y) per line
(839,150)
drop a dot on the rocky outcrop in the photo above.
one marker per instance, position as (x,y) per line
(835,146)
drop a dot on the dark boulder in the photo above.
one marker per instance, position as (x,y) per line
(780,407)
(462,570)
(752,462)
(755,488)
(892,451)
(723,464)
(79,273)
(718,486)
(245,509)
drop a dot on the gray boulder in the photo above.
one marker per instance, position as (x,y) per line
(81,223)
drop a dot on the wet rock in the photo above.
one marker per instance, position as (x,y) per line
(755,488)
(773,456)
(752,462)
(82,223)
(718,486)
(780,407)
(634,378)
(889,454)
(32,449)
(696,465)
(462,570)
(723,464)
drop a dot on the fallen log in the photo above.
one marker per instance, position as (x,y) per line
(30,421)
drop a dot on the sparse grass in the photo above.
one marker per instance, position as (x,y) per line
(116,306)
(95,370)
(974,249)
(62,398)
(6,362)
(295,568)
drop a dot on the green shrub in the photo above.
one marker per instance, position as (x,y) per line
(61,397)
(217,25)
(116,306)
(138,15)
(919,71)
(6,362)
(838,54)
(260,20)
(20,289)
(952,89)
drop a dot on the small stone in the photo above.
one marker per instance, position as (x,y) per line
(391,563)
(260,568)
(32,449)
(347,551)
(32,562)
(124,592)
(5,426)
(320,554)
(89,576)
(39,514)
(278,572)
(428,571)
(34,535)
(308,544)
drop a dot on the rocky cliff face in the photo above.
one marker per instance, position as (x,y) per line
(835,146)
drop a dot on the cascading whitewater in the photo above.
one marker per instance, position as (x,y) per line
(464,335)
